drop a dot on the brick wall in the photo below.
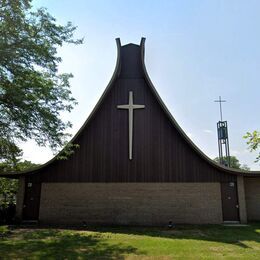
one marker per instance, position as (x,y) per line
(130,203)
(252,192)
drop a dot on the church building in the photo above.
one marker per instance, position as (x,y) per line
(135,166)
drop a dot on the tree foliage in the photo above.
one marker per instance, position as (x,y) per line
(245,167)
(253,142)
(234,163)
(32,91)
(8,187)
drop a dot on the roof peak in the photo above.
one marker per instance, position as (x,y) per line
(130,44)
(141,42)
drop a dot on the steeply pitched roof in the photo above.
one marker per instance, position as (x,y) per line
(171,118)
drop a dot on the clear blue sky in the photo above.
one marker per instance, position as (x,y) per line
(195,51)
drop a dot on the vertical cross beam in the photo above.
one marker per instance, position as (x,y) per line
(130,107)
(220,101)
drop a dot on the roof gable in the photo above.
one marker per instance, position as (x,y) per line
(161,149)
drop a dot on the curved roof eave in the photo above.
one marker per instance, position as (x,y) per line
(173,121)
(183,134)
(114,76)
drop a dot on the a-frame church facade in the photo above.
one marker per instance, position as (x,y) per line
(135,166)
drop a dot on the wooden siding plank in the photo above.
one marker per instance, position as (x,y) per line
(160,154)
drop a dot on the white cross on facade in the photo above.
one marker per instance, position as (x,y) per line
(130,106)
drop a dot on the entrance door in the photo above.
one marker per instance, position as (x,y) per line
(229,201)
(31,200)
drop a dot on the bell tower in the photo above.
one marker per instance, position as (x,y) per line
(223,141)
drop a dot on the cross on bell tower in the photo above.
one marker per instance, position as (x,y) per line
(223,141)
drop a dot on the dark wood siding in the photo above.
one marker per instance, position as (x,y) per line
(160,153)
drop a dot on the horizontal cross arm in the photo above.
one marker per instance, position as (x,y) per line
(138,106)
(123,106)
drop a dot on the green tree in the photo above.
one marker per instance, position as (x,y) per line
(6,167)
(245,167)
(234,163)
(8,187)
(8,190)
(253,142)
(32,91)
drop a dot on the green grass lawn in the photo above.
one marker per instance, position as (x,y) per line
(182,242)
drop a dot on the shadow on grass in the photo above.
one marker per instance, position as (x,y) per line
(61,244)
(71,243)
(234,235)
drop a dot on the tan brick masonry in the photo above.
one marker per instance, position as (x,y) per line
(130,203)
(252,191)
